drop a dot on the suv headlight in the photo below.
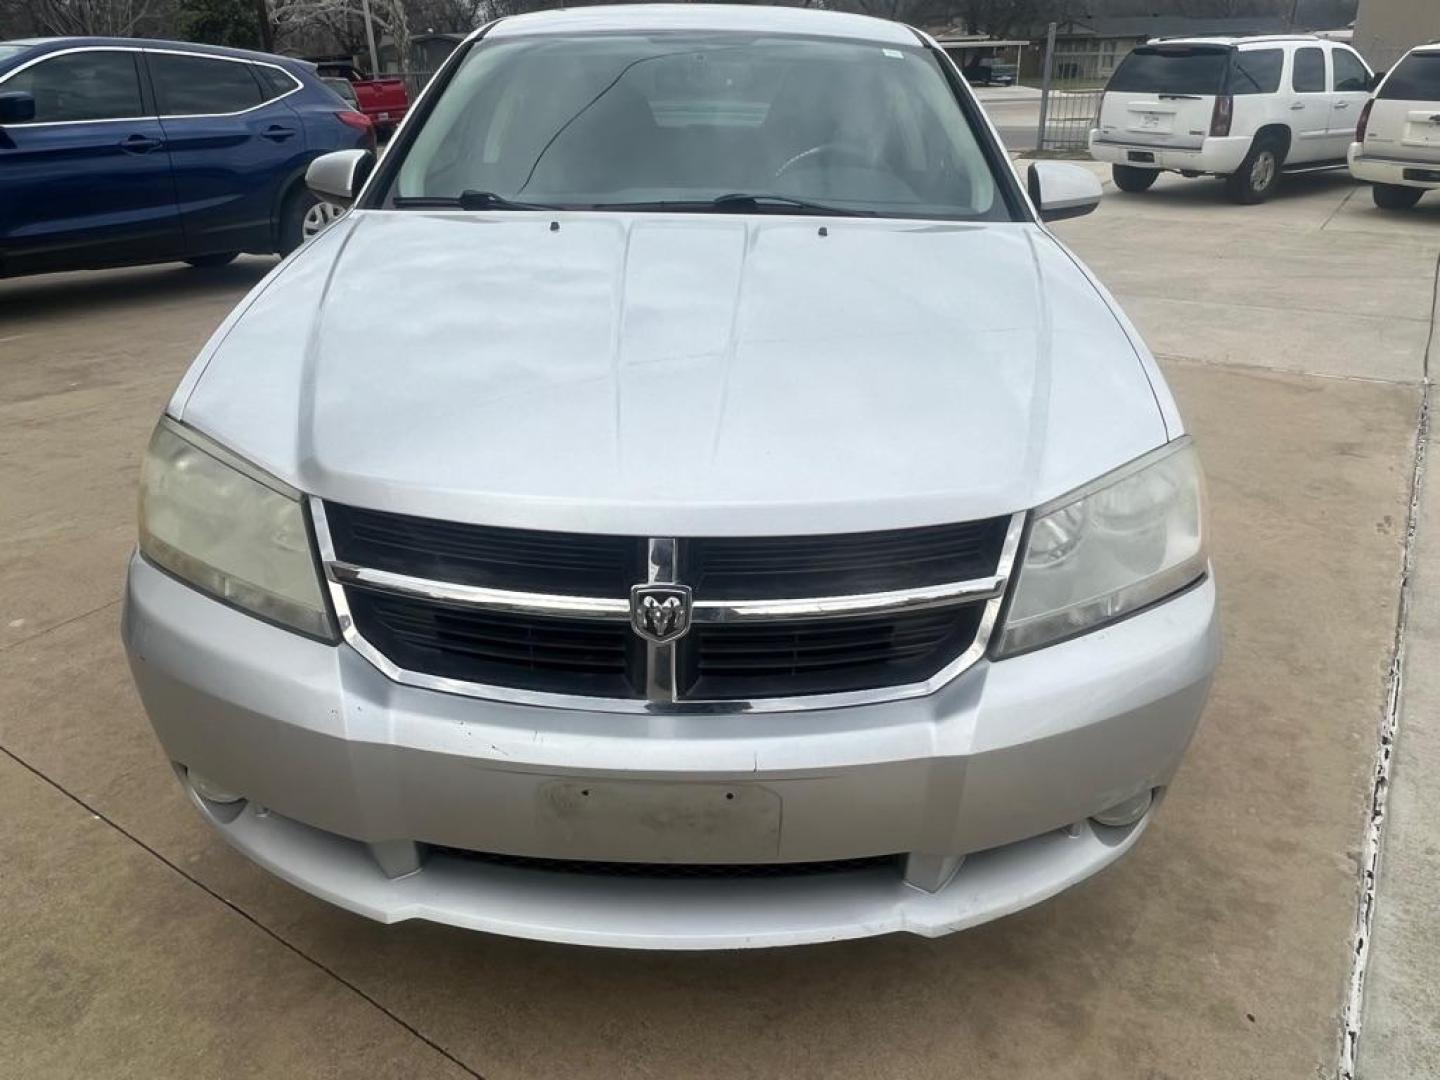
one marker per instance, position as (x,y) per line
(228,529)
(1112,547)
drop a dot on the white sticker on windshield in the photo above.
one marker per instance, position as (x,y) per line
(894,53)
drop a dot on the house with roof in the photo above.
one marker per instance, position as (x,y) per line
(1091,46)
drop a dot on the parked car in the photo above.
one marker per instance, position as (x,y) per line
(759,529)
(1246,108)
(982,70)
(115,151)
(1397,142)
(384,99)
(344,90)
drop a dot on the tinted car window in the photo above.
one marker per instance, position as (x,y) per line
(1350,73)
(1309,76)
(1257,71)
(607,121)
(1416,78)
(343,89)
(194,85)
(1172,69)
(273,81)
(82,86)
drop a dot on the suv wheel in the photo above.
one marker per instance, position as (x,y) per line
(1129,178)
(1395,197)
(305,217)
(1258,175)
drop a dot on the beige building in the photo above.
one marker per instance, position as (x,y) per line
(1387,29)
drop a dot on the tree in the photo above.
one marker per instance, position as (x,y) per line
(103,18)
(221,22)
(344,22)
(1013,18)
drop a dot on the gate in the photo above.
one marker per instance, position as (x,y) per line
(1072,86)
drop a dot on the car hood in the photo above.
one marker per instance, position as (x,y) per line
(677,374)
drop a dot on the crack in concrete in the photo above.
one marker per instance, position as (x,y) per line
(238,910)
(1343,203)
(1360,941)
(38,634)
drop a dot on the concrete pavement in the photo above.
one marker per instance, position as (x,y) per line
(137,944)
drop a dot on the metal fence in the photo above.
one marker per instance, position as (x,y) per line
(414,80)
(1071,88)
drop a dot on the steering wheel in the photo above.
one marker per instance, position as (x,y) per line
(839,151)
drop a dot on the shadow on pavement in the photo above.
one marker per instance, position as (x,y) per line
(91,292)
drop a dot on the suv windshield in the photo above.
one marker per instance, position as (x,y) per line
(1172,69)
(678,121)
(1416,78)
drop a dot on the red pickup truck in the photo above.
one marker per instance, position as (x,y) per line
(383,100)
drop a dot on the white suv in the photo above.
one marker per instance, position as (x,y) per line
(1243,108)
(1397,144)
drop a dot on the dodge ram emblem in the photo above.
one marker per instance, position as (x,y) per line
(660,613)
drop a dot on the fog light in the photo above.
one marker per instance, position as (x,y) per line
(1125,813)
(208,789)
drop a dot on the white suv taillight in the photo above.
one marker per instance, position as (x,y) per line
(1364,123)
(1223,114)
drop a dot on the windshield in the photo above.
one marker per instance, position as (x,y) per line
(1171,69)
(669,120)
(1416,78)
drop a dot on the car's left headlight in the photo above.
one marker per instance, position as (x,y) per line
(230,530)
(1112,547)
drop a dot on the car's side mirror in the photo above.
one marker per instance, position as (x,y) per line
(1376,80)
(338,177)
(1060,190)
(16,107)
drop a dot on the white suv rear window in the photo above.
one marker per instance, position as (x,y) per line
(1172,69)
(1257,71)
(1417,78)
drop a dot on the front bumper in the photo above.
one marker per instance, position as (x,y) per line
(1009,760)
(1390,171)
(1218,156)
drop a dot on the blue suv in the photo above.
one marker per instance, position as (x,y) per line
(115,152)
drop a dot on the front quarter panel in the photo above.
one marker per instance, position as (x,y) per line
(285,303)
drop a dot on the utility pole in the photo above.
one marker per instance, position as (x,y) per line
(1294,13)
(370,39)
(1045,80)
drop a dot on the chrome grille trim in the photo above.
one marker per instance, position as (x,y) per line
(660,690)
(704,611)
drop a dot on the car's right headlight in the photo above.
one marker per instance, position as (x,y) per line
(228,529)
(1112,547)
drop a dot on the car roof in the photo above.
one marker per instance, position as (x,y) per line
(701,17)
(1252,39)
(40,46)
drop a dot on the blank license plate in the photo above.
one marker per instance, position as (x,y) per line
(660,822)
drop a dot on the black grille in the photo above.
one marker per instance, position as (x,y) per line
(605,658)
(768,568)
(573,656)
(677,870)
(825,655)
(523,560)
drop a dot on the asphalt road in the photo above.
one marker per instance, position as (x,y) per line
(1295,334)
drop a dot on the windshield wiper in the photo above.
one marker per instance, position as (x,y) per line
(466,200)
(1179,97)
(743,201)
(740,202)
